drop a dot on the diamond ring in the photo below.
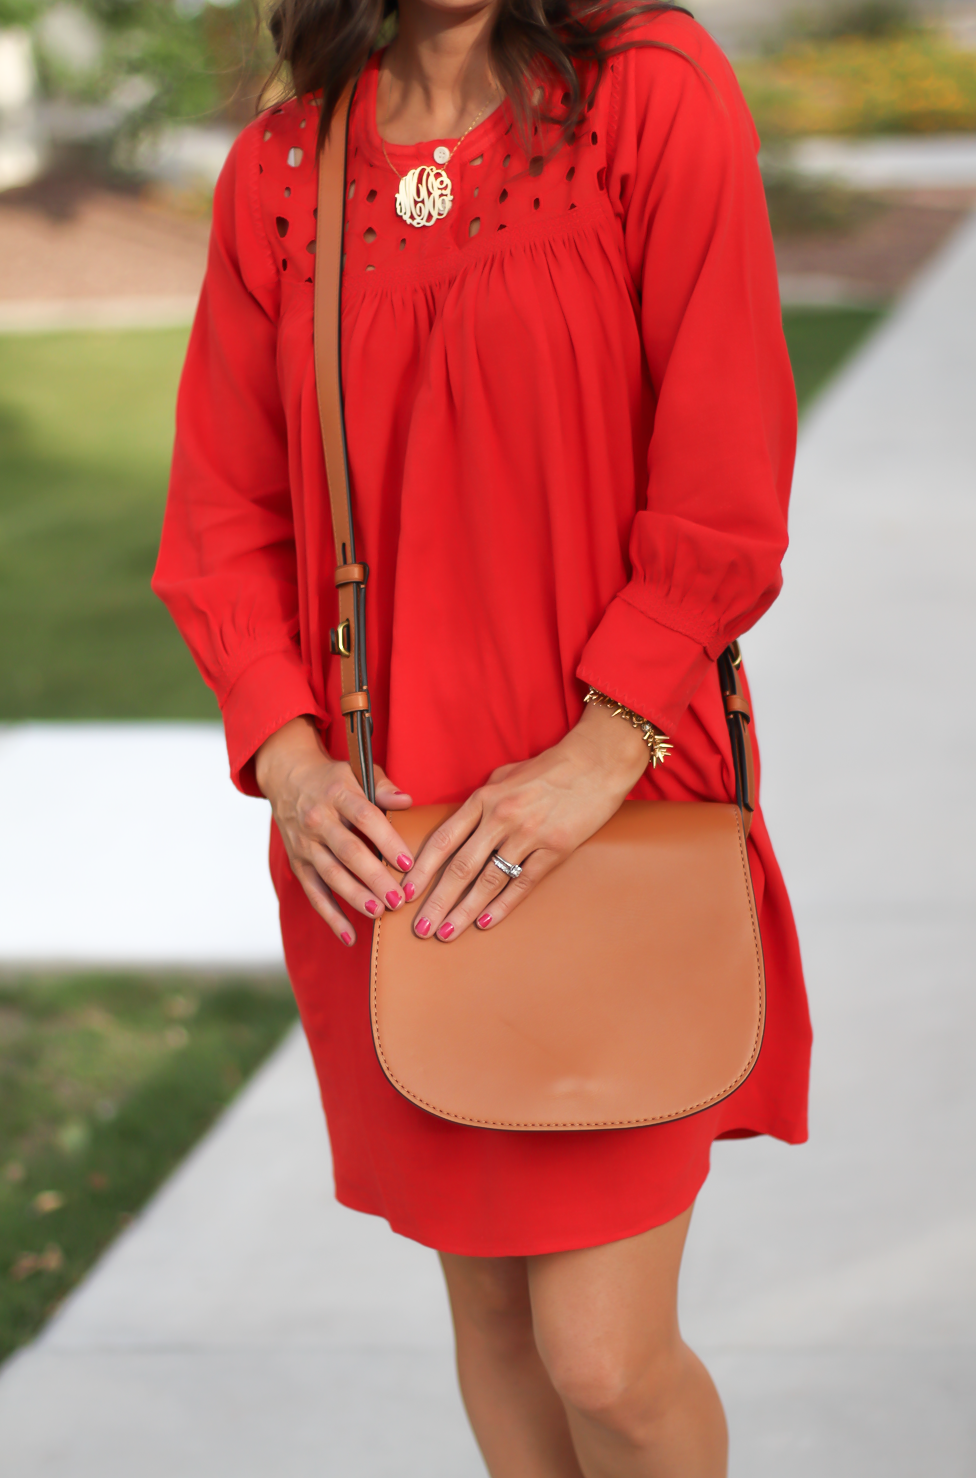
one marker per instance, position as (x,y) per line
(510,869)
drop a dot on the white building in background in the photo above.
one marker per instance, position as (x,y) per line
(23,153)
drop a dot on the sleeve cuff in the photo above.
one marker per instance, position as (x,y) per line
(644,665)
(267,694)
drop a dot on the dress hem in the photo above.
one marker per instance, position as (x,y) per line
(504,1247)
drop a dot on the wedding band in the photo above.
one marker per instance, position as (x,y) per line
(511,869)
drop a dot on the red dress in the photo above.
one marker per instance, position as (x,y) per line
(571,427)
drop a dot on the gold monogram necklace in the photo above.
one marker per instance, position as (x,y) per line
(424,194)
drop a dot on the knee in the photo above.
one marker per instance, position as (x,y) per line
(626,1392)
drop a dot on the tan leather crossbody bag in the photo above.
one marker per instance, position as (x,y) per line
(627,988)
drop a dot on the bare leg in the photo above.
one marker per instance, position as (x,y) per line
(640,1404)
(518,1419)
(572,1365)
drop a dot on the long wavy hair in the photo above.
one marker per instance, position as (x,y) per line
(322,44)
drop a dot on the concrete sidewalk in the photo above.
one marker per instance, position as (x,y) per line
(245,1325)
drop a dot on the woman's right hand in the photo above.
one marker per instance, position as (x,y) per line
(316,801)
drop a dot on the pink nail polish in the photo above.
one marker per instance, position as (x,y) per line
(484,921)
(409,891)
(393,899)
(404,862)
(422,927)
(346,937)
(445,931)
(371,905)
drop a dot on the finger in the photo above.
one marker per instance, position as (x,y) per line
(534,869)
(368,819)
(444,841)
(388,796)
(324,904)
(463,871)
(477,905)
(344,884)
(360,876)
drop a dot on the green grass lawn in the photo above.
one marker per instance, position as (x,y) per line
(105,1082)
(820,339)
(85,434)
(85,437)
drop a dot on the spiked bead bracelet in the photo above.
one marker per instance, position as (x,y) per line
(659,745)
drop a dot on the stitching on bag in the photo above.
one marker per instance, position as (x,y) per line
(587,1124)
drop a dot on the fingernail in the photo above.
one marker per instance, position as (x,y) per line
(423,927)
(371,905)
(445,931)
(393,899)
(484,921)
(346,937)
(404,862)
(408,891)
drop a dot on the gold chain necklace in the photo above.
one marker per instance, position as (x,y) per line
(424,194)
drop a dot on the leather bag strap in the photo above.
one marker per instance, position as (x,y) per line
(738,716)
(349,637)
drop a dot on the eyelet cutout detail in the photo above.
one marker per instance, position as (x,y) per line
(371,250)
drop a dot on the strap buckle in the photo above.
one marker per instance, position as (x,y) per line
(340,640)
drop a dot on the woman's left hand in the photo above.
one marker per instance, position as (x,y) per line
(534,813)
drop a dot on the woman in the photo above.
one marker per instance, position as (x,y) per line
(571,425)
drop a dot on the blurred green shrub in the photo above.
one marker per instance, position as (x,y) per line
(866,68)
(18,12)
(866,18)
(153,60)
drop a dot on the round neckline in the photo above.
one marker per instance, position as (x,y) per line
(498,121)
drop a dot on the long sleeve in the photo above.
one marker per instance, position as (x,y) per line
(705,552)
(227,566)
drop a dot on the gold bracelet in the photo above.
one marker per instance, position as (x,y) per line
(659,745)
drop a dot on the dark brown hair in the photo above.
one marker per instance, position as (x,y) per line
(323,43)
